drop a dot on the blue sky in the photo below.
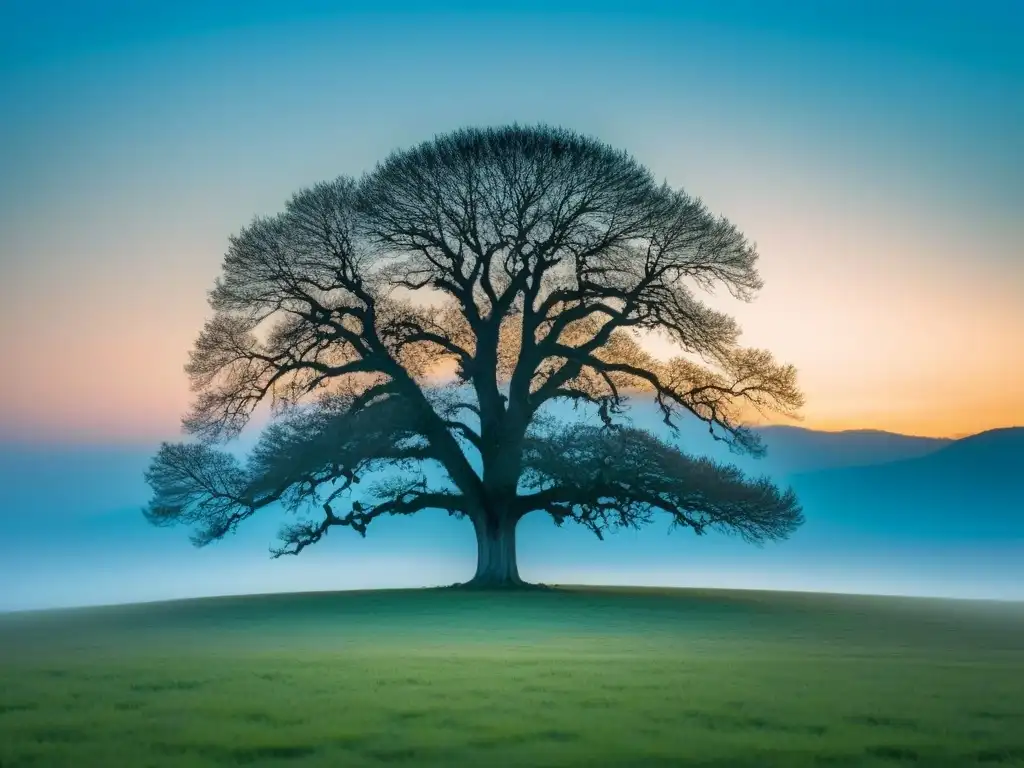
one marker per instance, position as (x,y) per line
(873,150)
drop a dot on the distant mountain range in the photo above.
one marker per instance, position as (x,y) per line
(884,512)
(968,489)
(791,449)
(794,449)
(94,478)
(858,479)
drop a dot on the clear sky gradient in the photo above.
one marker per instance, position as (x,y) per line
(875,154)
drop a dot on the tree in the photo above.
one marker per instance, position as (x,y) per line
(414,327)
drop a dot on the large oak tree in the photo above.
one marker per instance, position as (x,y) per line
(412,329)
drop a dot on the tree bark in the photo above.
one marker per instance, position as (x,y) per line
(496,566)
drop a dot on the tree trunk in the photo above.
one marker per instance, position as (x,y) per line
(496,553)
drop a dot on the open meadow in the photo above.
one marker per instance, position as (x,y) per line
(566,677)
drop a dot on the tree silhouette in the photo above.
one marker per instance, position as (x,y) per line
(413,327)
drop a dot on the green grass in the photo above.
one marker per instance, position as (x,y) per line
(569,677)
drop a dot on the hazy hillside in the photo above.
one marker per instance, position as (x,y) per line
(972,488)
(794,449)
(994,452)
(89,479)
(950,522)
(77,479)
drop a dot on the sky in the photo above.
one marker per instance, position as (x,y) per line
(873,150)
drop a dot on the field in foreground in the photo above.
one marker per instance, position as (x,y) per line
(570,677)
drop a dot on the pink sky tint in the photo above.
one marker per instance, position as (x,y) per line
(891,319)
(882,347)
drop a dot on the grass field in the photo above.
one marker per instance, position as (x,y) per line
(568,677)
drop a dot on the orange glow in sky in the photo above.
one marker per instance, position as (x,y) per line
(883,188)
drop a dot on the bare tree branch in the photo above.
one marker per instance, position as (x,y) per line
(608,479)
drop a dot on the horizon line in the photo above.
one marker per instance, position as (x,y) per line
(127,442)
(442,587)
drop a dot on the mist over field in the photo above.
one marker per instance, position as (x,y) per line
(885,513)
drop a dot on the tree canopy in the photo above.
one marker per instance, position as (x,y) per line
(412,328)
